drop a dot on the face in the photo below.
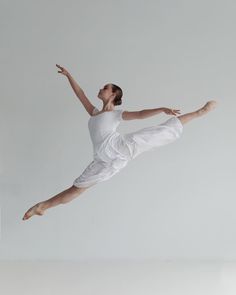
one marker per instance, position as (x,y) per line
(106,93)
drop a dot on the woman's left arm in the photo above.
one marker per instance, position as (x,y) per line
(143,114)
(151,112)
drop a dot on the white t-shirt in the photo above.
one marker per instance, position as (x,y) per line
(108,144)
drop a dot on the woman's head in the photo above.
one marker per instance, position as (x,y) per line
(111,92)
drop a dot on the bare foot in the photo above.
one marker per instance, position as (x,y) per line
(35,210)
(209,106)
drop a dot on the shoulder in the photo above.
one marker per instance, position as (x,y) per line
(119,114)
(94,111)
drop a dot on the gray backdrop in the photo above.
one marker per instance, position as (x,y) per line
(176,202)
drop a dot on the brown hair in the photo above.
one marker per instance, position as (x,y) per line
(119,94)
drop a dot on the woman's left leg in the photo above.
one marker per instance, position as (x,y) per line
(149,138)
(210,105)
(61,198)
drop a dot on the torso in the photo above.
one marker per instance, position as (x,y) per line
(106,140)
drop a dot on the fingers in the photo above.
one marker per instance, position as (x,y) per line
(171,111)
(62,70)
(59,66)
(175,112)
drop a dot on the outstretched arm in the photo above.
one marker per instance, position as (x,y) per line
(151,112)
(143,114)
(78,90)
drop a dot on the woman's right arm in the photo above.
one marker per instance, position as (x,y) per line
(78,90)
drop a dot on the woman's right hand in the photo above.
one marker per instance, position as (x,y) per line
(63,70)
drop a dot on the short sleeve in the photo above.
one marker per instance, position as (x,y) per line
(119,115)
(95,110)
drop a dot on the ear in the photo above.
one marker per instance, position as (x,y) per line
(113,95)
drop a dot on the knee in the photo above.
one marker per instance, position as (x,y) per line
(77,189)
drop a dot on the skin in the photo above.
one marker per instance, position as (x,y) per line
(107,97)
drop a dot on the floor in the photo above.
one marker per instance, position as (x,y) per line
(118,277)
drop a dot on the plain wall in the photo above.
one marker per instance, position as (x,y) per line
(176,202)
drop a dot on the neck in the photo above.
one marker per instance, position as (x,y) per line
(108,106)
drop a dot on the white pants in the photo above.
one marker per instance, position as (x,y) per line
(139,141)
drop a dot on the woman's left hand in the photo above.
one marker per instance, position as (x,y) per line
(171,111)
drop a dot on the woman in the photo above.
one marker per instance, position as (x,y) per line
(113,151)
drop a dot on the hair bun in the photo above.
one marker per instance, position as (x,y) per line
(119,94)
(117,101)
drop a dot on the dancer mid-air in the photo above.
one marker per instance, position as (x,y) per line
(111,150)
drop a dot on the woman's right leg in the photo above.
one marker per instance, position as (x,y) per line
(210,105)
